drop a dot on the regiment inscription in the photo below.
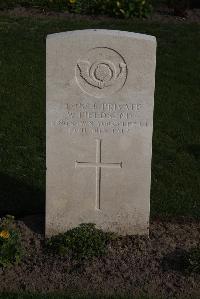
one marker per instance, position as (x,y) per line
(102,118)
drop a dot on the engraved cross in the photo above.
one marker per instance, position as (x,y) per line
(98,165)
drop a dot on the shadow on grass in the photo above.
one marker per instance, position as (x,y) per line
(20,199)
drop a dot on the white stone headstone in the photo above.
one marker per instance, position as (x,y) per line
(100,97)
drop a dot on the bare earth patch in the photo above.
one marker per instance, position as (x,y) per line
(133,265)
(162,15)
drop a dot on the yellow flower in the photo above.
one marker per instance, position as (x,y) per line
(4,234)
(72,1)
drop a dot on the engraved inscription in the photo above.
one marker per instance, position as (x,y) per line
(102,72)
(102,118)
(98,165)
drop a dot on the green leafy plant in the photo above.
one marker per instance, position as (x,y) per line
(84,241)
(137,8)
(10,245)
(119,8)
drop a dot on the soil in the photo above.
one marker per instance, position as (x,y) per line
(161,15)
(133,265)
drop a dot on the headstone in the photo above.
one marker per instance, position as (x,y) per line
(100,96)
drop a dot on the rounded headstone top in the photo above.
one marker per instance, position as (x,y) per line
(116,33)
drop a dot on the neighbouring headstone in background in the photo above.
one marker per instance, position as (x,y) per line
(100,96)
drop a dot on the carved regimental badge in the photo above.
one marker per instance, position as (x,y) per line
(102,72)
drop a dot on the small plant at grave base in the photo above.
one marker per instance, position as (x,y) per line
(84,241)
(10,245)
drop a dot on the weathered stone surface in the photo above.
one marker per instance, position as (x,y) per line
(100,95)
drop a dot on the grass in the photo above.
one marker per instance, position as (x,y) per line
(176,142)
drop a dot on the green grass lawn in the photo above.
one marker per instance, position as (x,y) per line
(176,142)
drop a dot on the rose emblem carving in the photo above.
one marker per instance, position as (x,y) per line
(102,72)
